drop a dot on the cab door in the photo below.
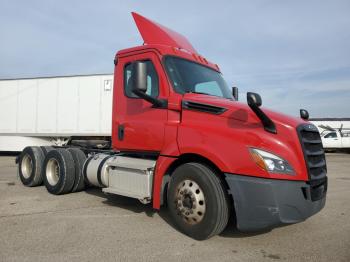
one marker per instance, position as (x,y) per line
(137,124)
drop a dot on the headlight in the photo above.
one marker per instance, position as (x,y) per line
(270,162)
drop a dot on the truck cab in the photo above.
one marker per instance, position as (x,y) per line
(184,110)
(181,138)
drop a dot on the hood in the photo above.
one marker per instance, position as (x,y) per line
(242,112)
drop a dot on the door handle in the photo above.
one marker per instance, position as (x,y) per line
(121,132)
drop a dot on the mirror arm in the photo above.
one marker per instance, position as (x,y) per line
(268,124)
(157,103)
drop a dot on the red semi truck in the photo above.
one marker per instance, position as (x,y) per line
(180,138)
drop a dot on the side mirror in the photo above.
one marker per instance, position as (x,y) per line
(140,77)
(235,92)
(254,102)
(254,99)
(304,114)
(139,86)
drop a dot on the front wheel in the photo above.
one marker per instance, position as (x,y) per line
(197,201)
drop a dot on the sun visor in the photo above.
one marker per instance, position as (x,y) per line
(154,33)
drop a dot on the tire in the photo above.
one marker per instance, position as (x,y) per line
(30,165)
(58,171)
(204,195)
(46,149)
(79,159)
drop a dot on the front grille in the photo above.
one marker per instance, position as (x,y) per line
(318,188)
(315,160)
(311,144)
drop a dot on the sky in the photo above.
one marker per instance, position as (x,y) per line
(295,54)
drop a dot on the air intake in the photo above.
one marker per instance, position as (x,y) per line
(195,106)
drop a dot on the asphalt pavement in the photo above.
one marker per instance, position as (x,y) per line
(90,226)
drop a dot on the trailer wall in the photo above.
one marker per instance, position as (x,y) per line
(55,107)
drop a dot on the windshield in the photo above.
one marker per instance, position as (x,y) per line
(190,77)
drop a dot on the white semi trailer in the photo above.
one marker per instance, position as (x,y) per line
(53,110)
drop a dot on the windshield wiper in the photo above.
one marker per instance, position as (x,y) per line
(201,93)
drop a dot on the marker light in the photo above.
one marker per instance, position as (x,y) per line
(270,162)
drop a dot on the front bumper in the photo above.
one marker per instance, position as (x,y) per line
(265,203)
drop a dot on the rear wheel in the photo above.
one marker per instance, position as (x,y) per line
(79,158)
(58,171)
(46,149)
(29,166)
(197,201)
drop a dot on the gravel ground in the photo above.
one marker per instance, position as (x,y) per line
(89,226)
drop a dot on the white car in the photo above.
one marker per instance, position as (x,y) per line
(336,140)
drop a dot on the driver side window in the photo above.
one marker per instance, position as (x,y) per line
(152,80)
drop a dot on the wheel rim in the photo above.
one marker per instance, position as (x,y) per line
(190,202)
(27,166)
(52,172)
